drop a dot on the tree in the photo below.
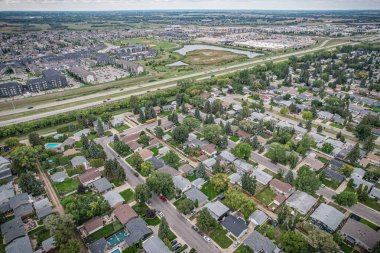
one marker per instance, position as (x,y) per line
(72,246)
(369,144)
(307,180)
(223,143)
(327,148)
(191,123)
(144,139)
(354,154)
(305,144)
(180,134)
(248,183)
(24,158)
(363,131)
(164,230)
(186,206)
(207,107)
(168,244)
(323,241)
(146,168)
(159,132)
(346,198)
(237,200)
(205,221)
(289,177)
(12,142)
(212,133)
(61,227)
(227,128)
(197,114)
(277,153)
(28,183)
(135,160)
(201,171)
(174,118)
(85,142)
(319,129)
(242,150)
(161,183)
(35,140)
(307,115)
(172,159)
(220,182)
(346,170)
(255,143)
(376,249)
(100,128)
(142,193)
(284,111)
(293,159)
(293,242)
(121,148)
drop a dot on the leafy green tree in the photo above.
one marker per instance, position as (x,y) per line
(293,242)
(61,227)
(172,159)
(180,134)
(327,148)
(293,160)
(319,129)
(242,150)
(369,144)
(191,123)
(248,183)
(28,183)
(354,154)
(113,170)
(346,170)
(255,143)
(164,230)
(186,206)
(212,133)
(135,160)
(12,142)
(237,200)
(289,177)
(363,131)
(142,193)
(24,158)
(85,141)
(159,132)
(307,180)
(121,148)
(220,182)
(346,198)
(72,246)
(305,144)
(146,168)
(35,140)
(106,117)
(227,128)
(223,143)
(144,140)
(200,172)
(277,153)
(100,128)
(205,221)
(376,249)
(323,241)
(307,115)
(161,183)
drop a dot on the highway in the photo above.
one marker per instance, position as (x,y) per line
(170,83)
(179,224)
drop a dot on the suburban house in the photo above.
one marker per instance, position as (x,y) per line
(196,195)
(82,74)
(5,169)
(281,187)
(327,218)
(258,217)
(209,149)
(113,198)
(136,230)
(261,177)
(89,176)
(181,183)
(80,160)
(98,246)
(124,213)
(301,202)
(102,185)
(21,204)
(6,193)
(217,209)
(155,245)
(260,244)
(43,208)
(92,226)
(357,233)
(145,154)
(236,226)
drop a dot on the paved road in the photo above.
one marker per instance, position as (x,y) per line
(217,72)
(177,222)
(267,163)
(358,209)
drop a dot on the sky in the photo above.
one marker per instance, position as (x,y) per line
(104,5)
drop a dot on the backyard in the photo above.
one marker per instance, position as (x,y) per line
(122,128)
(209,190)
(105,232)
(128,195)
(219,235)
(266,196)
(67,186)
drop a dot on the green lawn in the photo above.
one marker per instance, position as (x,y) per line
(322,159)
(128,195)
(105,232)
(155,151)
(347,249)
(153,222)
(69,185)
(369,224)
(330,183)
(371,203)
(191,178)
(122,128)
(337,125)
(178,201)
(266,196)
(140,209)
(209,190)
(219,235)
(234,138)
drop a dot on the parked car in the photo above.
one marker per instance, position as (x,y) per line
(236,244)
(174,242)
(30,107)
(206,238)
(194,227)
(177,246)
(136,174)
(149,203)
(162,198)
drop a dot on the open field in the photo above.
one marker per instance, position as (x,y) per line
(202,57)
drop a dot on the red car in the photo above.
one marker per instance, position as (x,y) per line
(162,198)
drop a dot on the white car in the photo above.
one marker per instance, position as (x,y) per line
(236,244)
(206,238)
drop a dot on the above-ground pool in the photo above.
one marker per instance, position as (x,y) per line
(116,239)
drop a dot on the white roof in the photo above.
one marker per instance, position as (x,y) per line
(113,198)
(328,215)
(301,201)
(217,208)
(259,217)
(262,177)
(209,162)
(180,182)
(234,178)
(198,182)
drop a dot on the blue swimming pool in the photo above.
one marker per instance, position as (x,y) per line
(116,251)
(116,239)
(53,145)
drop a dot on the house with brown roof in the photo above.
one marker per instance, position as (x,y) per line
(281,187)
(243,134)
(374,159)
(209,149)
(130,137)
(357,233)
(92,226)
(157,109)
(145,154)
(313,163)
(89,176)
(134,145)
(124,213)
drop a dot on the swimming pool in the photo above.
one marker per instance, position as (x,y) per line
(116,251)
(116,239)
(53,145)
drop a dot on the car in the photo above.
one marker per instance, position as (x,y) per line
(162,198)
(206,238)
(126,179)
(149,203)
(121,89)
(177,246)
(104,101)
(174,242)
(178,196)
(323,186)
(236,244)
(108,99)
(110,135)
(30,107)
(136,174)
(195,228)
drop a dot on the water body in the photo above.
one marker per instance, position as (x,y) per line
(177,64)
(189,48)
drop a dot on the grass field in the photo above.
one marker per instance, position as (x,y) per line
(266,196)
(205,57)
(106,231)
(234,138)
(127,195)
(337,125)
(69,185)
(122,128)
(219,235)
(209,190)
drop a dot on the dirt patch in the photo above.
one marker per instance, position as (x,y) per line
(201,57)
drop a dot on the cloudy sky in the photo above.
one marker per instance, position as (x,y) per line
(84,5)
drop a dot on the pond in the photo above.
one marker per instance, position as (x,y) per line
(189,48)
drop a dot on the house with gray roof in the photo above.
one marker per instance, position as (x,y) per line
(113,198)
(6,193)
(48,244)
(12,230)
(157,163)
(21,205)
(59,176)
(80,160)
(357,176)
(217,209)
(301,202)
(235,178)
(198,183)
(262,177)
(236,226)
(181,183)
(43,208)
(155,245)
(258,217)
(227,156)
(85,132)
(333,175)
(242,165)
(375,193)
(196,195)
(21,244)
(98,246)
(209,163)
(137,230)
(260,244)
(102,185)
(325,115)
(327,218)
(5,169)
